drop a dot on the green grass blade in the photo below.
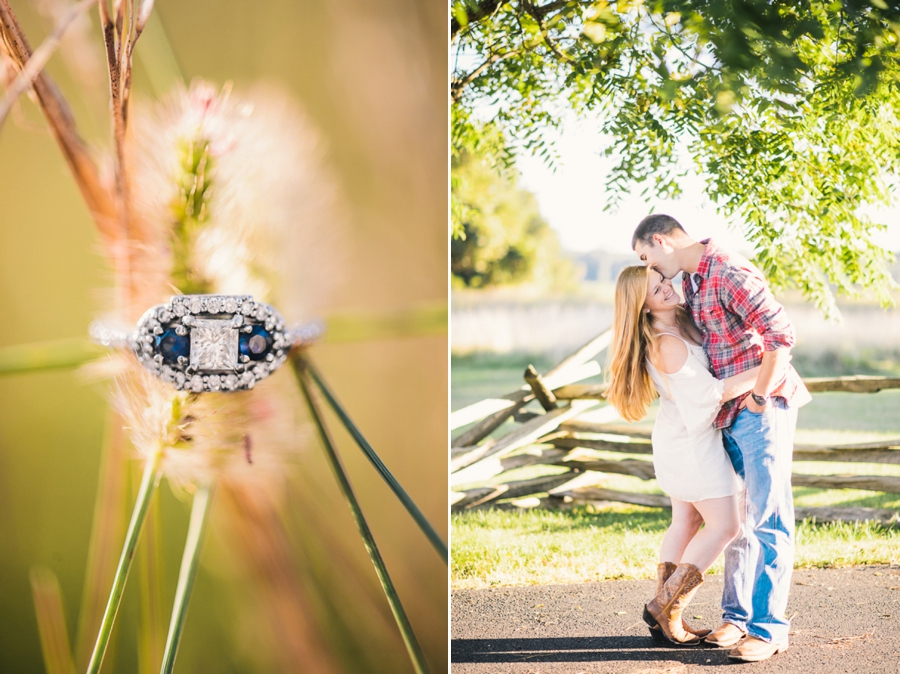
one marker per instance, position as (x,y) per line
(109,525)
(409,637)
(152,600)
(145,492)
(386,475)
(189,561)
(59,353)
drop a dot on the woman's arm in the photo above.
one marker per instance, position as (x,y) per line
(739,383)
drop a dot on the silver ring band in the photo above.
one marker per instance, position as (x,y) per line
(204,343)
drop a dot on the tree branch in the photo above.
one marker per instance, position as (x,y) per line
(474,15)
(538,14)
(541,11)
(485,9)
(458,84)
(694,60)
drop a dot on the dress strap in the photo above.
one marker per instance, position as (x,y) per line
(688,344)
(672,334)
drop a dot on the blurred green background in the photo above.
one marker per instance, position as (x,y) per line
(373,77)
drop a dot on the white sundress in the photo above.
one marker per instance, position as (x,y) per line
(688,454)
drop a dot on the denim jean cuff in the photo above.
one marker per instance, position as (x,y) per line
(768,640)
(740,624)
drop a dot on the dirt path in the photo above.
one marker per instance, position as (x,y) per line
(843,620)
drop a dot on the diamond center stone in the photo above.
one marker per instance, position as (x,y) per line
(214,345)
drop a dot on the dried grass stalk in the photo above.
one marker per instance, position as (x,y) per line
(51,620)
(59,117)
(39,58)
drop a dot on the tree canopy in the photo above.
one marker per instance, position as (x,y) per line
(504,239)
(789,109)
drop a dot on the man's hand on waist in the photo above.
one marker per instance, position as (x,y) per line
(753,406)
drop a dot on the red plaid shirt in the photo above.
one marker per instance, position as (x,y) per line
(739,319)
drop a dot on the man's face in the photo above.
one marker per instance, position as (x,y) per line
(659,255)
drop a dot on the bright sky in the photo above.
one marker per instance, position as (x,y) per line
(572,198)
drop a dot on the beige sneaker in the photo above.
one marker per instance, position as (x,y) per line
(755,650)
(725,635)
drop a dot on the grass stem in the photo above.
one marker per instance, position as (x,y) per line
(409,637)
(189,561)
(148,486)
(386,475)
(52,355)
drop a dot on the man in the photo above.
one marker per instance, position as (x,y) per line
(743,326)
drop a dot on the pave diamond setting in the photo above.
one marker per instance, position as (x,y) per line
(203,343)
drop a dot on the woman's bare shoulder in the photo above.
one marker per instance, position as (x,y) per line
(673,354)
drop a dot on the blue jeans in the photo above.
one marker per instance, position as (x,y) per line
(759,562)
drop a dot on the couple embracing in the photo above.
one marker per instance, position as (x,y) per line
(723,437)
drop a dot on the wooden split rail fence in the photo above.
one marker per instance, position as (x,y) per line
(556,436)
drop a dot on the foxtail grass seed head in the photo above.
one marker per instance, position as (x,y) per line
(238,196)
(248,437)
(228,194)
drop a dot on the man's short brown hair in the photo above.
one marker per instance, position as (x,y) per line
(654,224)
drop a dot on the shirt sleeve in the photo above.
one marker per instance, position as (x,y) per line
(696,394)
(745,293)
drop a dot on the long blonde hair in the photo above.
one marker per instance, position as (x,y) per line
(630,388)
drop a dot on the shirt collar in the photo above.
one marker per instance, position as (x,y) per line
(711,249)
(695,281)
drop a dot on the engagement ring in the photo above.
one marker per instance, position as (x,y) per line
(206,343)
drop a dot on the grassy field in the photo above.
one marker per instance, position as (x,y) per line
(495,548)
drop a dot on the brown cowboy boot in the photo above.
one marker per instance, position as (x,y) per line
(666,607)
(663,571)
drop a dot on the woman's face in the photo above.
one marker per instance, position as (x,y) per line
(660,293)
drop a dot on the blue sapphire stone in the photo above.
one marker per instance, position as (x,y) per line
(172,345)
(256,343)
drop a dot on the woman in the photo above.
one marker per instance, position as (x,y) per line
(656,350)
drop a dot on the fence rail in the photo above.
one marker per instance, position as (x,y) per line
(556,436)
